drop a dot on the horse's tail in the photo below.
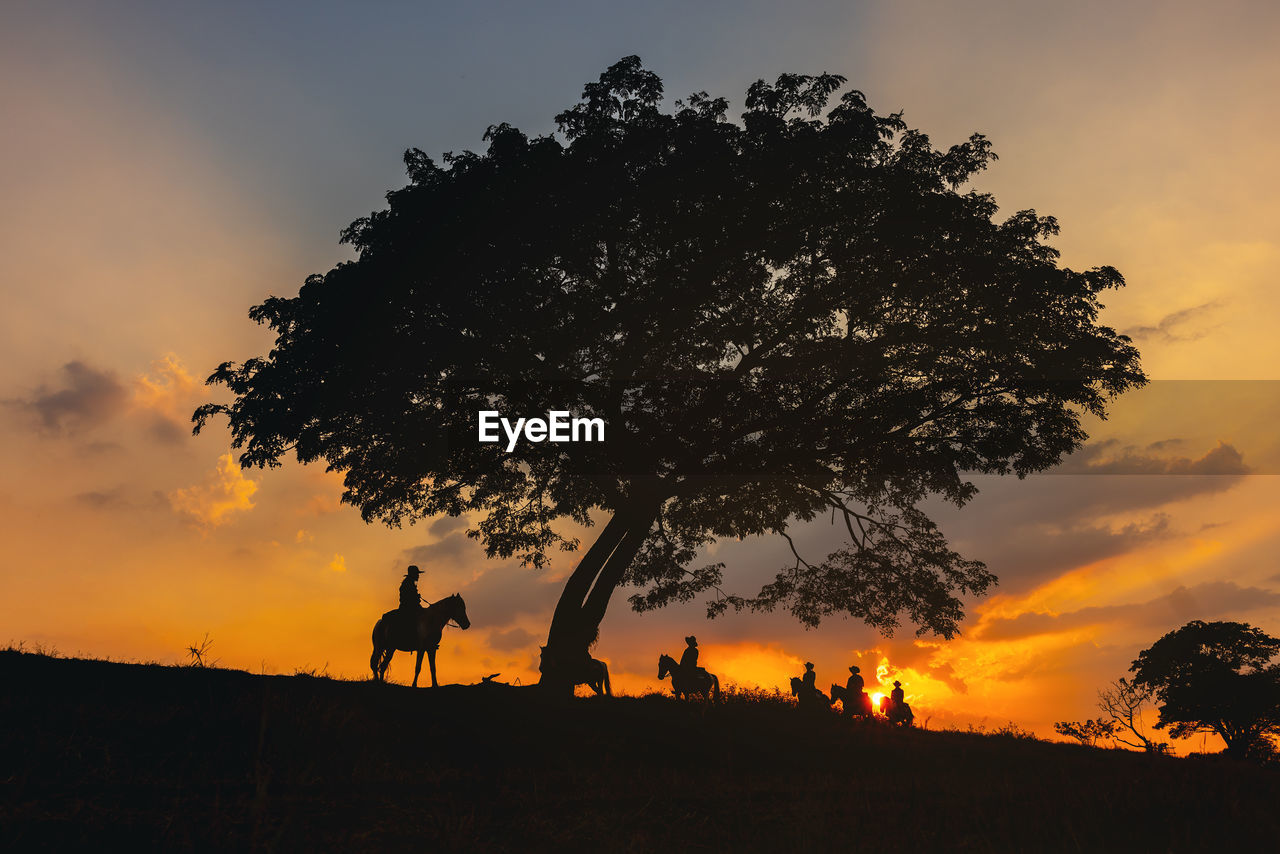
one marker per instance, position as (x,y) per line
(715,688)
(608,691)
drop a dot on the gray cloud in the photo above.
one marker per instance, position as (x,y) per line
(506,592)
(446,525)
(1098,459)
(87,398)
(1064,506)
(1203,601)
(99,500)
(1025,555)
(452,550)
(166,430)
(511,639)
(1182,325)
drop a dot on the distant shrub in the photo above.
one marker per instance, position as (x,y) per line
(1086,732)
(733,693)
(198,653)
(1009,730)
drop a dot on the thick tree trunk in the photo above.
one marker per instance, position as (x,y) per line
(585,597)
(576,588)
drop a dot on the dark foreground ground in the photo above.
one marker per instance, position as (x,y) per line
(142,757)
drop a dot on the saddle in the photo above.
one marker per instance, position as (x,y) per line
(695,672)
(400,625)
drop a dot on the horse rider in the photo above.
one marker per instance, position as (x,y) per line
(809,680)
(855,685)
(853,690)
(689,659)
(410,600)
(897,695)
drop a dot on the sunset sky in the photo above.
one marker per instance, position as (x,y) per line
(165,166)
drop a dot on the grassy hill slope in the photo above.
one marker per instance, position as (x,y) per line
(96,753)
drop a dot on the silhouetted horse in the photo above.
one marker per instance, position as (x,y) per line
(586,671)
(808,699)
(702,683)
(899,714)
(398,631)
(859,706)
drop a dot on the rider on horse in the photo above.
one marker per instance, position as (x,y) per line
(410,599)
(689,659)
(855,684)
(410,602)
(810,679)
(856,701)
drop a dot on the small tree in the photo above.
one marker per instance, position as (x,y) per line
(1123,703)
(794,315)
(1086,732)
(1216,677)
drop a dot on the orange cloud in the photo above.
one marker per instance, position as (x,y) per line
(168,389)
(749,663)
(329,497)
(225,492)
(167,394)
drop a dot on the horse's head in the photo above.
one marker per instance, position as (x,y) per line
(795,686)
(458,611)
(666,664)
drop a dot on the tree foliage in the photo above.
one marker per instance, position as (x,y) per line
(1215,677)
(795,314)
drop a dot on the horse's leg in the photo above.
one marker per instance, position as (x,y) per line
(377,649)
(608,691)
(387,655)
(417,668)
(431,659)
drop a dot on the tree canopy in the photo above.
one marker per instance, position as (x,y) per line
(794,314)
(1216,677)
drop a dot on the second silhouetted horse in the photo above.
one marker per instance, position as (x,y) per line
(701,683)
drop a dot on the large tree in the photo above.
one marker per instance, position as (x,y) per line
(796,314)
(1216,677)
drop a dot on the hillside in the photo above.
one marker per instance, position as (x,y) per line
(99,754)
